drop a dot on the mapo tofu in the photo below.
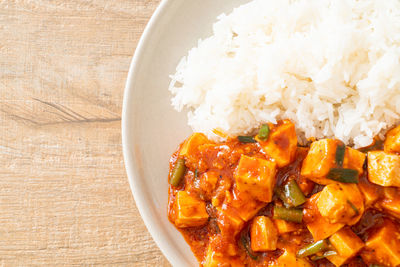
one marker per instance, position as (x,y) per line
(264,200)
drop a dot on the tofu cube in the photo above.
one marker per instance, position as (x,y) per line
(383,246)
(190,146)
(347,244)
(284,227)
(213,259)
(218,259)
(322,157)
(289,259)
(391,201)
(263,234)
(189,211)
(244,204)
(229,248)
(370,191)
(318,226)
(354,159)
(341,203)
(305,184)
(256,176)
(319,160)
(281,144)
(208,181)
(229,222)
(384,168)
(392,142)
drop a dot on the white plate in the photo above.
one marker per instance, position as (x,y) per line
(151,129)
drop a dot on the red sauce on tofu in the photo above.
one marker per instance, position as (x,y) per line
(253,202)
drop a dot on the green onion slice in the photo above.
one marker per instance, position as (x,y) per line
(339,156)
(263,133)
(326,254)
(290,215)
(245,242)
(291,194)
(353,207)
(246,139)
(343,175)
(178,172)
(314,248)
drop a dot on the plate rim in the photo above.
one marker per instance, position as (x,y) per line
(130,168)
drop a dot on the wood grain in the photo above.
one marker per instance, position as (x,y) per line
(64,195)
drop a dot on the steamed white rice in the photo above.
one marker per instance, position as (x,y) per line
(331,66)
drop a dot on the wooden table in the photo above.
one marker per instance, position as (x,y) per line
(64,194)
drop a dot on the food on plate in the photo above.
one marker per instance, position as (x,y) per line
(319,184)
(266,200)
(331,66)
